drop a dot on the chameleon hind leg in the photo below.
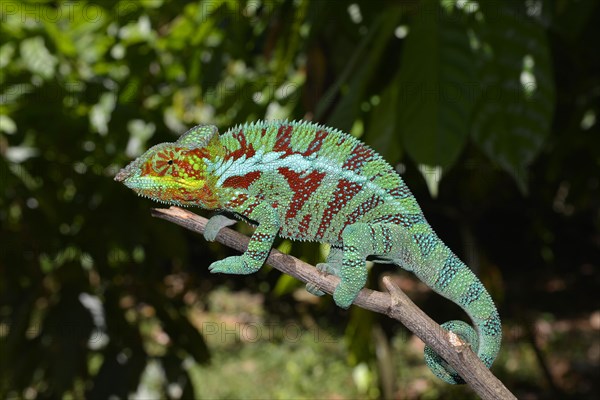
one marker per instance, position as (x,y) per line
(331,266)
(386,241)
(259,246)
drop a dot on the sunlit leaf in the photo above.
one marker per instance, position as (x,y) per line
(383,131)
(7,51)
(37,57)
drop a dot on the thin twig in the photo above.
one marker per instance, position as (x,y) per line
(394,304)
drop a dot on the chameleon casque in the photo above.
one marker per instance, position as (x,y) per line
(303,181)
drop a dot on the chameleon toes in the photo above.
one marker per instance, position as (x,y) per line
(230,265)
(327,269)
(314,289)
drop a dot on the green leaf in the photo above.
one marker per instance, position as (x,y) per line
(6,54)
(62,40)
(286,284)
(437,68)
(37,58)
(432,176)
(359,335)
(7,125)
(515,102)
(382,132)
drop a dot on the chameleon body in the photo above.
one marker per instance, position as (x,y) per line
(304,181)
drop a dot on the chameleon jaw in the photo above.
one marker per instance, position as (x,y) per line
(165,189)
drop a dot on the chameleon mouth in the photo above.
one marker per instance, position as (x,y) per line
(129,171)
(130,176)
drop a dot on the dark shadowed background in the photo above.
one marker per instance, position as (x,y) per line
(489,110)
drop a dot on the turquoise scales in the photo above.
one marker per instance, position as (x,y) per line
(304,181)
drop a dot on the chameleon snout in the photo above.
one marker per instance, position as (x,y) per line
(122,175)
(125,173)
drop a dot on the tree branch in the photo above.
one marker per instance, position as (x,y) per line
(395,305)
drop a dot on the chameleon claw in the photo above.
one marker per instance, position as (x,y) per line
(327,269)
(314,289)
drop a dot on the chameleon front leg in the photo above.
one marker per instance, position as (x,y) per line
(259,246)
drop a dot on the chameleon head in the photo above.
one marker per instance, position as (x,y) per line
(176,173)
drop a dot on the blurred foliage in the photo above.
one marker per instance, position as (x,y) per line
(490,106)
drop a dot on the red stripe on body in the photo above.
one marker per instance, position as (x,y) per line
(242,181)
(304,225)
(282,140)
(246,149)
(250,207)
(302,187)
(317,143)
(356,215)
(343,193)
(400,192)
(360,155)
(239,204)
(237,201)
(284,136)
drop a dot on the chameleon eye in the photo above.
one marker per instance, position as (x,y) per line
(170,162)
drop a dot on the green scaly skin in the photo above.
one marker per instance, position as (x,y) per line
(304,181)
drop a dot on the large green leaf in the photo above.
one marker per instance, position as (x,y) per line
(515,99)
(382,130)
(437,69)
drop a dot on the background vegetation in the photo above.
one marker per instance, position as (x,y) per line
(488,109)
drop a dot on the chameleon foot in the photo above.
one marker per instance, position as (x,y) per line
(324,268)
(232,265)
(343,295)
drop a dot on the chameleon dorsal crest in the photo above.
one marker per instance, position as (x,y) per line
(198,137)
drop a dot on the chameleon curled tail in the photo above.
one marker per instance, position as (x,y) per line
(455,281)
